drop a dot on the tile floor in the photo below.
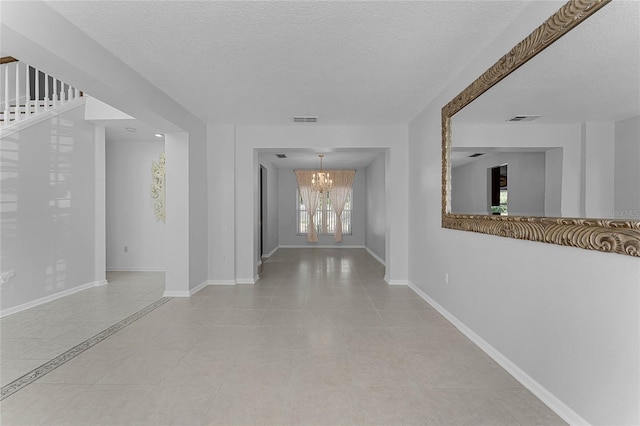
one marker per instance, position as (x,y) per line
(30,338)
(321,339)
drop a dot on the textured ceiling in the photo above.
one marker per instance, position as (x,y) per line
(592,74)
(264,62)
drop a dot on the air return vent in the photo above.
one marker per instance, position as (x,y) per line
(524,118)
(478,154)
(305,119)
(281,155)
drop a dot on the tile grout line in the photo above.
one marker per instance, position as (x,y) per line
(49,366)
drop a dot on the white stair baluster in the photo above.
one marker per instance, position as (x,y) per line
(68,93)
(27,93)
(56,88)
(46,92)
(6,96)
(37,109)
(17,107)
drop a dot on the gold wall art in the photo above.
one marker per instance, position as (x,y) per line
(157,187)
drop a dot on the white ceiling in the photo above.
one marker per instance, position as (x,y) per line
(592,74)
(348,62)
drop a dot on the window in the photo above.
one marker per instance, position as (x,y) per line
(325,217)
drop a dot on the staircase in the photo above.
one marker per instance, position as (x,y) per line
(28,92)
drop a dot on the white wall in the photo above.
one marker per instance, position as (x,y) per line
(470,191)
(72,56)
(221,199)
(375,208)
(287,185)
(537,136)
(627,172)
(271,206)
(48,216)
(250,138)
(131,220)
(598,147)
(552,186)
(566,319)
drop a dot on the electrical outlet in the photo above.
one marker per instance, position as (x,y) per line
(226,258)
(6,276)
(446,278)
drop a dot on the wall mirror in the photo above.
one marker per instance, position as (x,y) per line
(545,145)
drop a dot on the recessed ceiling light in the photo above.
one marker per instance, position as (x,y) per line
(158,135)
(130,129)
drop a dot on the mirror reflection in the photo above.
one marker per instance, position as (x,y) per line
(567,124)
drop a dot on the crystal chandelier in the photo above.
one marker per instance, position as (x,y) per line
(321,181)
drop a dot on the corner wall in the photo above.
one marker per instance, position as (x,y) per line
(375,209)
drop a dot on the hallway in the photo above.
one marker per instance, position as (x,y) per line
(320,339)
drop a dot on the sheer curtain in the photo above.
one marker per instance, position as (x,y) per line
(342,183)
(310,200)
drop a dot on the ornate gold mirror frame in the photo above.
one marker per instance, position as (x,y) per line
(616,236)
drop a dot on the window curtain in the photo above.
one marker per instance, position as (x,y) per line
(310,200)
(342,183)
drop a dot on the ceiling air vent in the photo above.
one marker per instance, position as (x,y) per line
(281,155)
(476,155)
(524,118)
(305,119)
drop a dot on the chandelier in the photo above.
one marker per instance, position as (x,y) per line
(321,181)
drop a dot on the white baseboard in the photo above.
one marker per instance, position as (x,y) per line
(314,245)
(553,402)
(221,282)
(197,288)
(101,283)
(375,256)
(135,269)
(398,282)
(259,263)
(247,280)
(271,252)
(46,299)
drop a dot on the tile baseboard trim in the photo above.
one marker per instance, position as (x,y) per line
(49,366)
(375,256)
(136,269)
(548,398)
(50,298)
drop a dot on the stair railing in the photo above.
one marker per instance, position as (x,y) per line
(29,91)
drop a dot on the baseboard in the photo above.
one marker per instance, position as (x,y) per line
(398,282)
(553,402)
(197,288)
(247,280)
(135,269)
(375,256)
(47,299)
(221,282)
(41,116)
(271,252)
(314,245)
(259,263)
(101,283)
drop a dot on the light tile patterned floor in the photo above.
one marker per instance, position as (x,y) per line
(321,339)
(30,338)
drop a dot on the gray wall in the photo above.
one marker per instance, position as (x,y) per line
(526,182)
(287,185)
(627,172)
(375,211)
(48,211)
(131,221)
(270,207)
